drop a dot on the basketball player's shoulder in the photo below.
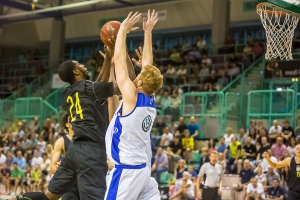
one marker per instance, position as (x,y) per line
(59,144)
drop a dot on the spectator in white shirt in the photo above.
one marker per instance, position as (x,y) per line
(234,70)
(228,136)
(264,164)
(37,159)
(170,70)
(186,188)
(181,74)
(274,132)
(42,143)
(204,72)
(166,137)
(2,158)
(55,125)
(45,165)
(201,44)
(206,60)
(260,176)
(255,190)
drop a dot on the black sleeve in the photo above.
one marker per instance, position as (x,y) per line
(228,147)
(100,90)
(239,147)
(254,149)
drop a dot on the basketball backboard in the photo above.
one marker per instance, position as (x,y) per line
(291,7)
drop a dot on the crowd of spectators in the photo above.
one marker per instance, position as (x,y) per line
(26,151)
(238,154)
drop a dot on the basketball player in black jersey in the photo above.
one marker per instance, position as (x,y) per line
(85,159)
(60,149)
(293,175)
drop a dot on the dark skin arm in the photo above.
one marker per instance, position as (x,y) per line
(105,70)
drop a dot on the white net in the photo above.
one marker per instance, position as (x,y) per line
(280,29)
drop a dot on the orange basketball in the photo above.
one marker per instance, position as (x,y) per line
(109,29)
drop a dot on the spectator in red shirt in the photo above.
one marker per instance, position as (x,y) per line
(257,49)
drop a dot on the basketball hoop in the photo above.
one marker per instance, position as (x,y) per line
(280,27)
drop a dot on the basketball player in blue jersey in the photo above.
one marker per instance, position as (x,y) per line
(128,135)
(60,149)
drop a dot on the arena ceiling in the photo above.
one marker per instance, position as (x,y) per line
(12,11)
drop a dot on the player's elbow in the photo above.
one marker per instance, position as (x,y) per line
(52,169)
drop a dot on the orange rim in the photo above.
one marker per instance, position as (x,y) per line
(271,11)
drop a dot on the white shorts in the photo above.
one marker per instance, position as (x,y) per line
(130,183)
(151,191)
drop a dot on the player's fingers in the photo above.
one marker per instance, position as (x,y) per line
(148,14)
(134,28)
(156,20)
(155,16)
(153,13)
(141,50)
(129,15)
(134,60)
(138,17)
(134,16)
(102,54)
(137,53)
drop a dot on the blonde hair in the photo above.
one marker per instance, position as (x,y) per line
(152,79)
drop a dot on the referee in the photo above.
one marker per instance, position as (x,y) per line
(212,174)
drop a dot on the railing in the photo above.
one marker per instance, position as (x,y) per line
(28,108)
(55,98)
(271,104)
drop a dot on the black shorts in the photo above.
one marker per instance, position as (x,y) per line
(12,182)
(293,195)
(72,194)
(85,161)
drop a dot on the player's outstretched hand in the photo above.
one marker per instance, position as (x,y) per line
(265,155)
(139,54)
(130,21)
(151,20)
(109,53)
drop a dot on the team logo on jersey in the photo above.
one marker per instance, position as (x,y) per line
(147,123)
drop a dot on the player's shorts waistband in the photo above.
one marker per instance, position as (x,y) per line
(131,166)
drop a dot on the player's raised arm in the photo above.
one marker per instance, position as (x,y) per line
(148,25)
(277,165)
(58,146)
(125,84)
(105,70)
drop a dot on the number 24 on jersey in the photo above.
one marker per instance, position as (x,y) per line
(78,108)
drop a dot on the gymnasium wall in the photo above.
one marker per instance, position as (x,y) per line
(185,13)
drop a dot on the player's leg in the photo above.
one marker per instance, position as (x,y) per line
(72,194)
(60,183)
(151,191)
(91,169)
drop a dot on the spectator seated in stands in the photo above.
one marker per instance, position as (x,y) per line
(247,49)
(232,59)
(291,147)
(222,162)
(160,164)
(264,164)
(245,176)
(200,43)
(159,126)
(255,190)
(188,145)
(242,136)
(234,163)
(181,75)
(262,148)
(229,45)
(206,60)
(274,132)
(257,50)
(279,149)
(175,57)
(166,100)
(234,70)
(253,135)
(194,53)
(193,173)
(180,167)
(287,132)
(186,188)
(17,177)
(174,151)
(223,80)
(228,136)
(260,176)
(181,127)
(5,177)
(204,158)
(245,59)
(193,127)
(262,133)
(166,138)
(37,159)
(211,146)
(276,191)
(271,175)
(170,74)
(222,146)
(174,108)
(204,72)
(250,150)
(20,160)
